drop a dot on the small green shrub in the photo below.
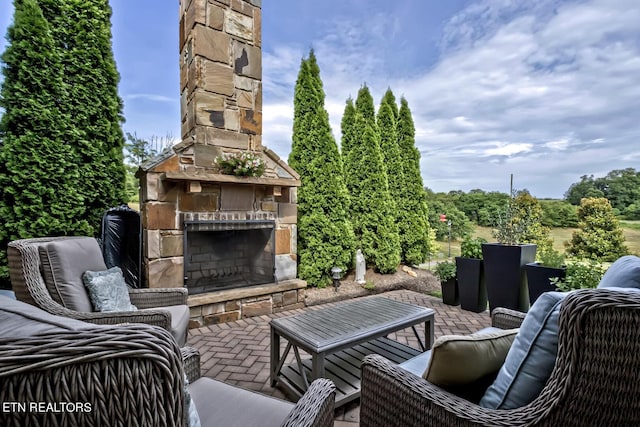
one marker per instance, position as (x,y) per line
(580,275)
(551,258)
(369,285)
(471,247)
(445,270)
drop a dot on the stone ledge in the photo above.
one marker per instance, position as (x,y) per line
(211,177)
(241,293)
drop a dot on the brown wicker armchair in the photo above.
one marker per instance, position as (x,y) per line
(595,381)
(59,371)
(29,286)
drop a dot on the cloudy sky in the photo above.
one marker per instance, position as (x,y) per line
(547,90)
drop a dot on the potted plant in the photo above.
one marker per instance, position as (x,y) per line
(540,274)
(446,272)
(580,275)
(504,261)
(469,271)
(245,163)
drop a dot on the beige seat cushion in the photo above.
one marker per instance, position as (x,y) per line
(179,321)
(220,404)
(463,359)
(63,263)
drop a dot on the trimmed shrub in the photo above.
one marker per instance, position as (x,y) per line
(599,236)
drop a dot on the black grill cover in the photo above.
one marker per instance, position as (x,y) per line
(121,239)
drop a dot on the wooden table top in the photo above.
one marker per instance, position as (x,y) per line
(348,323)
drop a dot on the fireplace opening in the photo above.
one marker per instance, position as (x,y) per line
(228,254)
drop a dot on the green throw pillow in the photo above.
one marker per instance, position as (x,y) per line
(463,359)
(108,290)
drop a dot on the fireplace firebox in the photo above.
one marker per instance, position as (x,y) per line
(228,254)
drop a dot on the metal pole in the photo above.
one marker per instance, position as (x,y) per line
(449,225)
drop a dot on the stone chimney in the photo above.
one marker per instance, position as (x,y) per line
(221,73)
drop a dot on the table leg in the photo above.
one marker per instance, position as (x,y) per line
(317,366)
(428,332)
(275,356)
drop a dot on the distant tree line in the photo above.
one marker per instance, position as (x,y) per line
(483,208)
(621,187)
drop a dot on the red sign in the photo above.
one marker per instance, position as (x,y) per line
(443,218)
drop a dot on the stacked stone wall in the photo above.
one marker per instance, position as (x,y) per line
(221,72)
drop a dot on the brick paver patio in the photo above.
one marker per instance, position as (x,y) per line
(238,352)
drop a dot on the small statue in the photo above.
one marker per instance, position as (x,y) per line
(361,267)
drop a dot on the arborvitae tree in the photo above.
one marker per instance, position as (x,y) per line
(349,138)
(386,121)
(39,172)
(390,99)
(371,207)
(305,104)
(599,236)
(414,226)
(365,107)
(325,234)
(82,36)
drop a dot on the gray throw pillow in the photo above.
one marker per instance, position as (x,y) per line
(108,290)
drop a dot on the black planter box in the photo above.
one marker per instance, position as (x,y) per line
(539,279)
(450,292)
(471,285)
(505,275)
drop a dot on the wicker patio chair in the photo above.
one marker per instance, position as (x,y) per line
(57,371)
(155,305)
(595,381)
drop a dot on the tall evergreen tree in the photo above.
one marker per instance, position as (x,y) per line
(414,226)
(386,121)
(365,107)
(371,206)
(390,99)
(82,36)
(305,104)
(347,125)
(38,173)
(325,234)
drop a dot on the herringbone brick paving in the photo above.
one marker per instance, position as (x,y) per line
(238,352)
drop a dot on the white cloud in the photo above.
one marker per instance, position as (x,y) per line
(503,149)
(148,97)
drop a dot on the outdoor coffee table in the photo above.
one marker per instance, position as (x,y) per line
(339,337)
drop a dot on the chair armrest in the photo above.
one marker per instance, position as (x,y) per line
(191,363)
(391,396)
(160,297)
(505,318)
(129,375)
(159,318)
(315,407)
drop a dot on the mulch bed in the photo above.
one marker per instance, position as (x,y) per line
(423,282)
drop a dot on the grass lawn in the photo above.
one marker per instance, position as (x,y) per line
(631,231)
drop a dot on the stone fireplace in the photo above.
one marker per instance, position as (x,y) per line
(228,254)
(231,241)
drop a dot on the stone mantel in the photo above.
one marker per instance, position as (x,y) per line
(214,177)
